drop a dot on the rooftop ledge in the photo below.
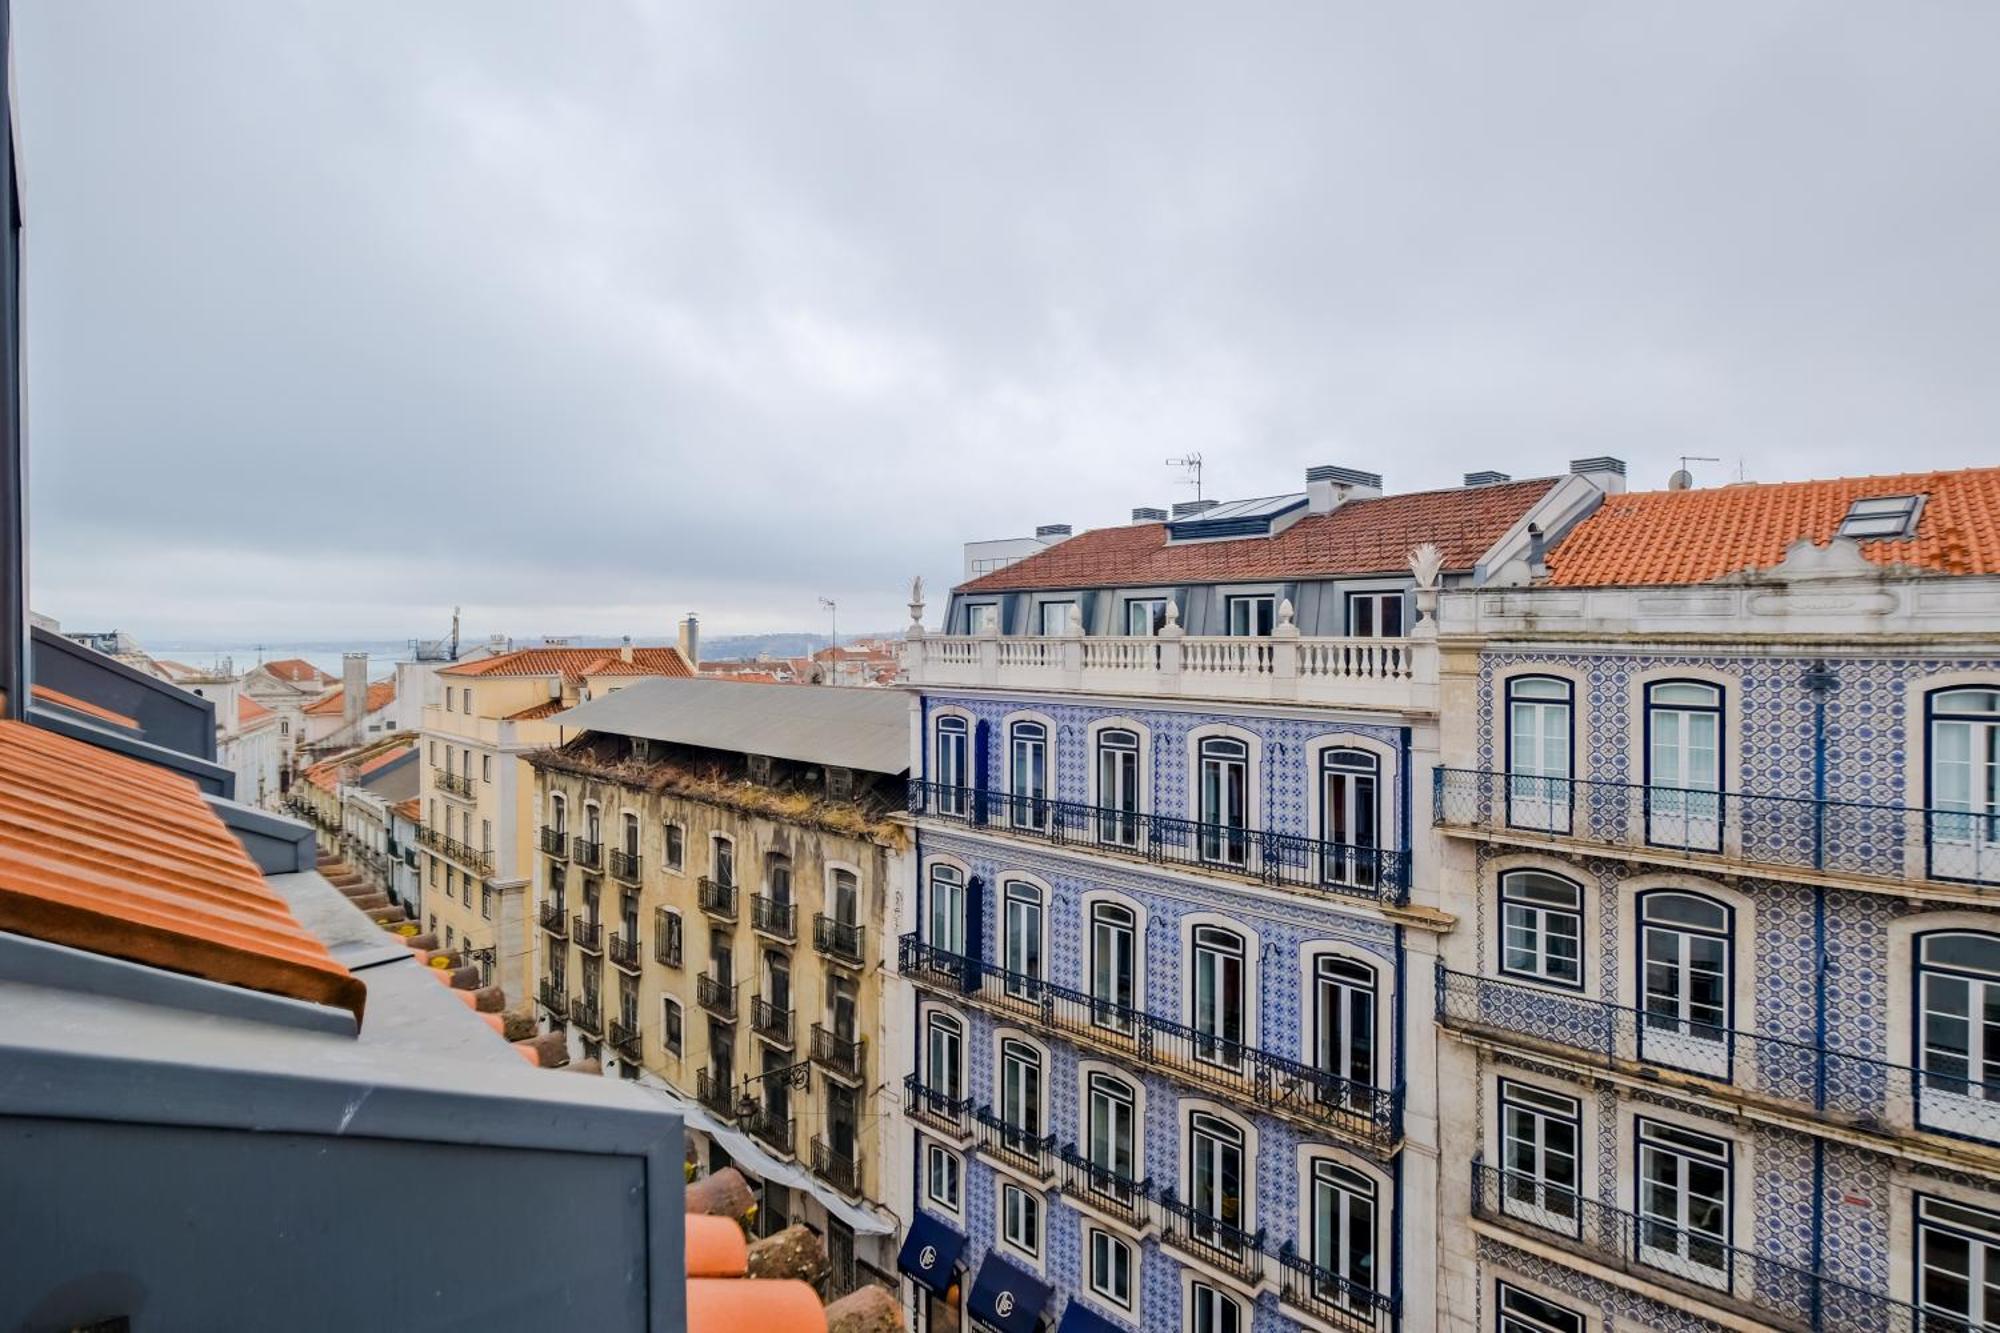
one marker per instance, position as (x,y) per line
(1398,674)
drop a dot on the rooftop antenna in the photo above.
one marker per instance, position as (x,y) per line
(1191,464)
(1684,479)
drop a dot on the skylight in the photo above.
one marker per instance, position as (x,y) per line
(1239,518)
(1882,516)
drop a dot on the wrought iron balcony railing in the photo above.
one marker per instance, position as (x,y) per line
(718,1094)
(715,997)
(772,1130)
(1338,869)
(770,1022)
(587,1015)
(480,863)
(1330,1298)
(770,917)
(1858,1090)
(624,865)
(553,918)
(1106,1190)
(624,1038)
(553,998)
(840,1170)
(585,853)
(1025,1151)
(1220,1244)
(624,950)
(1700,1263)
(716,898)
(838,940)
(1799,834)
(588,932)
(1275,1083)
(838,1055)
(929,1106)
(554,841)
(453,784)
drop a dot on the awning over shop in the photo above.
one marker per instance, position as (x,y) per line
(1006,1297)
(1079,1318)
(930,1253)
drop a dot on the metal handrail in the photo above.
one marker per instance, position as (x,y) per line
(625,1038)
(843,1055)
(840,1170)
(921,1102)
(456,784)
(716,898)
(588,933)
(1331,1298)
(1344,870)
(624,865)
(778,919)
(553,918)
(586,1014)
(1106,1188)
(1193,1231)
(838,939)
(715,997)
(767,1020)
(624,950)
(554,841)
(999,1136)
(585,853)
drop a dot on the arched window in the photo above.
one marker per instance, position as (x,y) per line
(1221,999)
(1344,1026)
(1541,928)
(1021,1088)
(722,858)
(593,825)
(1686,971)
(1111,1127)
(1118,787)
(558,814)
(846,898)
(1958,1032)
(1539,730)
(778,877)
(1224,795)
(1957,1247)
(1217,1181)
(954,766)
(1684,765)
(1028,775)
(1114,965)
(1212,1310)
(947,910)
(1023,924)
(1343,1233)
(1965,784)
(1350,817)
(631,833)
(944,1056)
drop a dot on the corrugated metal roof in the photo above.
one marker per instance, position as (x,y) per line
(842,725)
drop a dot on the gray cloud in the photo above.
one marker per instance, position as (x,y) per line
(340,314)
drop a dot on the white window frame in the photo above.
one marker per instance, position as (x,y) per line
(1523,916)
(936,1157)
(1023,1214)
(1099,1242)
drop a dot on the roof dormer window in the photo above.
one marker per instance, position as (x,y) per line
(1882,517)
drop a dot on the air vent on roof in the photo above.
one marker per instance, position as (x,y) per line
(1329,487)
(1144,514)
(1346,476)
(1486,478)
(1052,531)
(1606,472)
(1189,508)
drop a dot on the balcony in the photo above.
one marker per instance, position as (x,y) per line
(935,1110)
(1118,1197)
(624,1037)
(770,1022)
(772,1130)
(624,950)
(718,1094)
(453,784)
(625,866)
(1844,843)
(588,932)
(553,841)
(1698,1264)
(840,1170)
(1398,674)
(1008,1143)
(1791,1079)
(1314,1098)
(716,998)
(587,1015)
(553,919)
(480,863)
(837,1055)
(779,920)
(1337,870)
(1197,1233)
(716,898)
(840,941)
(1330,1298)
(589,855)
(552,999)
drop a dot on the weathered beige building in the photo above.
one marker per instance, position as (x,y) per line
(714,871)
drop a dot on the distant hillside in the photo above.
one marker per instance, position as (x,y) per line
(772,645)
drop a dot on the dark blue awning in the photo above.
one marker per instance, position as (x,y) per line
(1079,1318)
(1007,1297)
(930,1252)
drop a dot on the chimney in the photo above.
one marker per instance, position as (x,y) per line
(1606,473)
(1486,478)
(691,641)
(1146,514)
(1329,487)
(625,649)
(1051,533)
(353,692)
(1189,508)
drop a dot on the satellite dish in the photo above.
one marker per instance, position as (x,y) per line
(1681,480)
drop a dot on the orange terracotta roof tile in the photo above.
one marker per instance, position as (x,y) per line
(411,809)
(618,666)
(1656,537)
(547,708)
(569,663)
(376,763)
(248,710)
(1368,536)
(115,856)
(721,1299)
(84,706)
(381,693)
(298,671)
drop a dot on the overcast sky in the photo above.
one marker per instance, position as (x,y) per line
(584,315)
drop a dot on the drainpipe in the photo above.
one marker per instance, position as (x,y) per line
(1821,681)
(1396,1174)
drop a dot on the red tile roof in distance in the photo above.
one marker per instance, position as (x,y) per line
(570,663)
(248,710)
(84,706)
(536,712)
(111,855)
(1369,536)
(1656,537)
(381,694)
(298,671)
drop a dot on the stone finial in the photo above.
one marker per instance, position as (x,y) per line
(1287,626)
(1172,628)
(1427,562)
(917,601)
(1073,624)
